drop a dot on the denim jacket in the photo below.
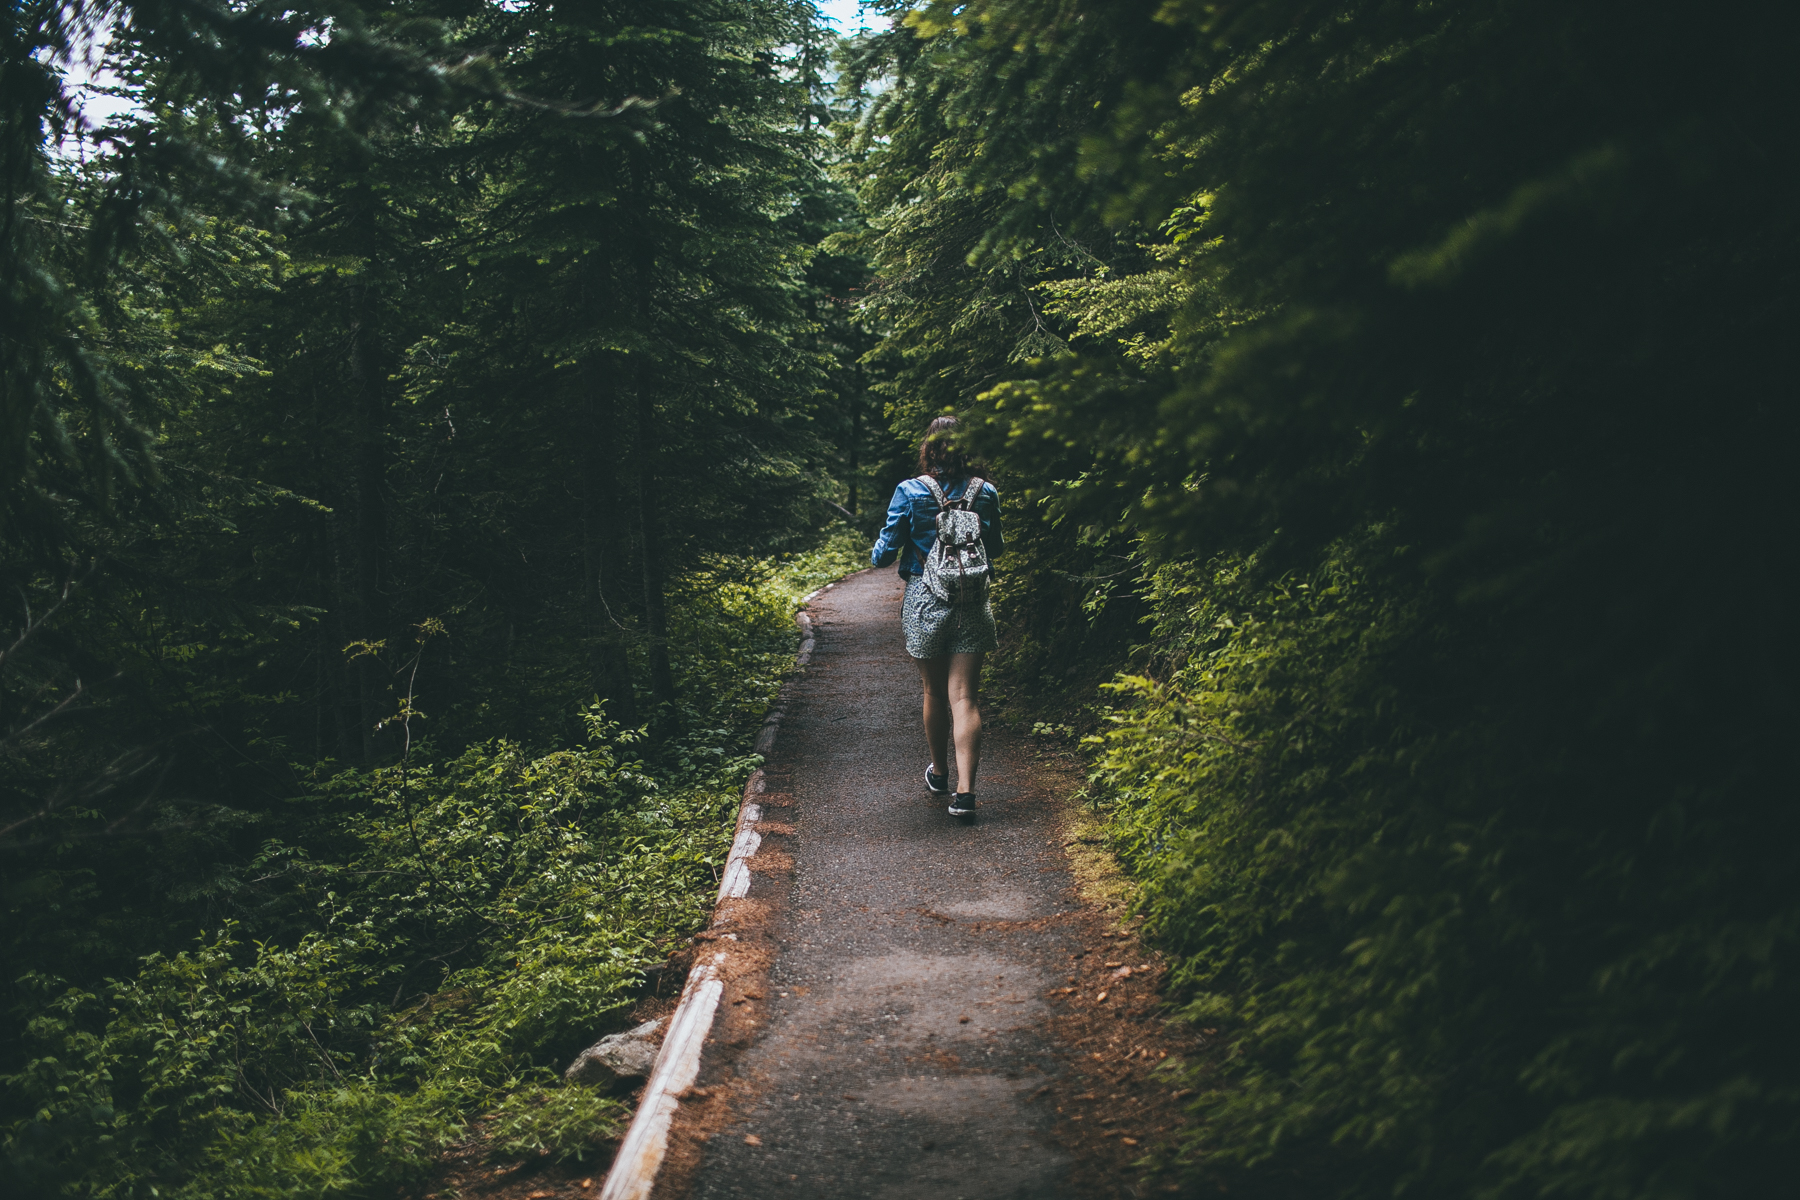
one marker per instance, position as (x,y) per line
(912,525)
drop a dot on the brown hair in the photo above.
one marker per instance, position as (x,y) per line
(939,455)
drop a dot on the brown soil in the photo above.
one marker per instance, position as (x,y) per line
(1120,1103)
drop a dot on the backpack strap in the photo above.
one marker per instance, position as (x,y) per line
(971,492)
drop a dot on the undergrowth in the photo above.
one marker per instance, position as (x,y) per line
(1337,835)
(447,931)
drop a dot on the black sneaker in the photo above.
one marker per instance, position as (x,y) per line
(962,804)
(934,781)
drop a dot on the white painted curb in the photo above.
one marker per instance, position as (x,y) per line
(646,1144)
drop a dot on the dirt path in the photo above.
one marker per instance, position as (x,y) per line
(919,987)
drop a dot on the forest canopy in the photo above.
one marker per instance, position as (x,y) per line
(420,420)
(1399,392)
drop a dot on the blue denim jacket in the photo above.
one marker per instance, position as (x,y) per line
(912,525)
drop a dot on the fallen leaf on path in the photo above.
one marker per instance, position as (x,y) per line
(750,1139)
(962,1020)
(1122,973)
(1100,997)
(1129,1141)
(1115,964)
(587,1183)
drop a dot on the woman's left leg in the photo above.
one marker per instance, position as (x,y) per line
(964,686)
(934,682)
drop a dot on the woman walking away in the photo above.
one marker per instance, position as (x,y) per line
(944,526)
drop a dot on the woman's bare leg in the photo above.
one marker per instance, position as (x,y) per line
(934,674)
(964,686)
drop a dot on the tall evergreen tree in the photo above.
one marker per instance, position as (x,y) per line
(1444,379)
(447,411)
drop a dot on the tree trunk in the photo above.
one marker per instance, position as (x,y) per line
(649,520)
(369,542)
(856,434)
(656,616)
(344,697)
(608,666)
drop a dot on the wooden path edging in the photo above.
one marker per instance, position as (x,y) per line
(640,1158)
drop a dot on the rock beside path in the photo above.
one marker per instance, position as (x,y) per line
(618,1057)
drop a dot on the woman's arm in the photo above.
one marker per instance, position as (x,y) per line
(988,505)
(896,533)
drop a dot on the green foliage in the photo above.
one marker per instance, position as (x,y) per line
(488,916)
(416,473)
(793,577)
(555,1121)
(446,933)
(187,150)
(1420,390)
(1415,962)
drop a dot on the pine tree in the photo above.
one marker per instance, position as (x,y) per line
(1443,384)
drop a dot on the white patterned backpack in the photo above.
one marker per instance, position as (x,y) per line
(956,570)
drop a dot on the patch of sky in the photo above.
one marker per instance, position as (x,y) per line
(96,88)
(846,16)
(86,77)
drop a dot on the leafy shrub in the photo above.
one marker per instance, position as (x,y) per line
(1424,984)
(467,926)
(559,1121)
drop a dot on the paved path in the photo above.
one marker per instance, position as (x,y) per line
(898,1044)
